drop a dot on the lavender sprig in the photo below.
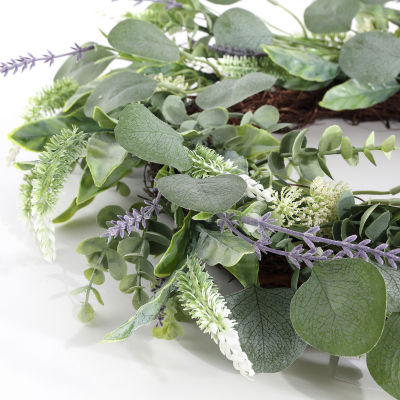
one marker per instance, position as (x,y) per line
(132,220)
(169,4)
(24,62)
(298,254)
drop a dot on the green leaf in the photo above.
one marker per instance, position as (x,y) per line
(265,116)
(389,144)
(348,152)
(213,117)
(345,203)
(133,249)
(341,308)
(383,360)
(71,211)
(175,256)
(141,133)
(103,119)
(246,270)
(228,92)
(34,135)
(145,314)
(224,248)
(103,156)
(391,277)
(253,142)
(365,217)
(352,95)
(303,64)
(327,16)
(97,295)
(174,110)
(361,57)
(92,245)
(143,39)
(299,144)
(379,226)
(241,29)
(116,264)
(140,298)
(92,64)
(128,283)
(118,90)
(98,275)
(87,188)
(86,313)
(213,194)
(79,96)
(310,166)
(331,139)
(107,214)
(266,333)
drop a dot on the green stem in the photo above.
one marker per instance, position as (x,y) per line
(202,60)
(303,28)
(389,202)
(89,287)
(392,192)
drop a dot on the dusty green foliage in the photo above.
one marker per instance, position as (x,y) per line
(50,99)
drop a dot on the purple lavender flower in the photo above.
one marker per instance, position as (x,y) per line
(133,219)
(298,254)
(24,62)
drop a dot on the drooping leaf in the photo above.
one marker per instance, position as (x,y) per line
(71,211)
(145,314)
(246,270)
(241,29)
(103,119)
(327,16)
(92,64)
(361,57)
(103,156)
(228,92)
(118,90)
(224,248)
(383,360)
(303,64)
(141,133)
(341,308)
(352,95)
(213,194)
(143,39)
(265,330)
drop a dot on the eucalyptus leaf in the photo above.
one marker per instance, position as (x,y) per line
(265,330)
(141,133)
(107,214)
(116,264)
(228,92)
(392,281)
(331,139)
(352,95)
(91,65)
(341,308)
(213,117)
(378,226)
(174,110)
(303,64)
(383,360)
(145,314)
(143,39)
(241,29)
(119,89)
(103,119)
(104,155)
(327,16)
(361,57)
(213,194)
(223,248)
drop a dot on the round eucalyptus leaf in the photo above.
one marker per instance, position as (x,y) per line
(371,57)
(328,16)
(341,308)
(118,90)
(213,194)
(213,117)
(108,214)
(144,135)
(174,110)
(86,313)
(228,92)
(383,360)
(241,29)
(143,39)
(265,330)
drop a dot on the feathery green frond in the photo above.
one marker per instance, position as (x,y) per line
(50,99)
(43,184)
(207,162)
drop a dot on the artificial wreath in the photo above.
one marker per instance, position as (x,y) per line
(224,187)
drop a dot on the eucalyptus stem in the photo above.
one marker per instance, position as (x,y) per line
(303,28)
(89,287)
(393,191)
(202,60)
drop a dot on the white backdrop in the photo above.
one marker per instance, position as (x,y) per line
(45,352)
